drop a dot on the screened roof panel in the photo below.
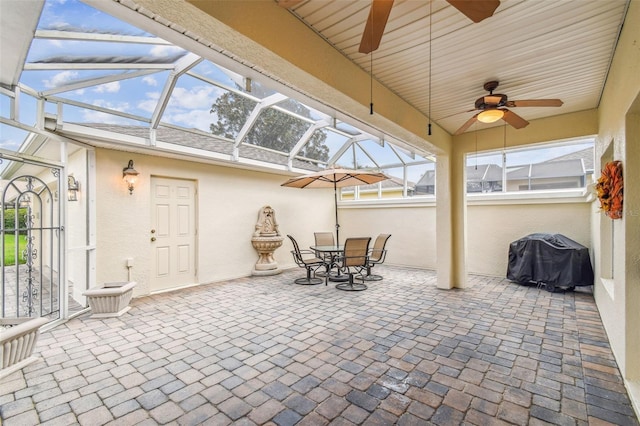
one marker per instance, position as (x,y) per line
(5,106)
(44,50)
(332,142)
(296,107)
(190,103)
(212,73)
(142,95)
(395,172)
(27,109)
(363,160)
(383,154)
(344,127)
(102,70)
(274,129)
(82,115)
(11,138)
(230,112)
(77,15)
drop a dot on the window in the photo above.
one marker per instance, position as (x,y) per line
(552,166)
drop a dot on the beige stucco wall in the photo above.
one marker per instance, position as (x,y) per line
(618,116)
(412,229)
(76,231)
(228,199)
(493,227)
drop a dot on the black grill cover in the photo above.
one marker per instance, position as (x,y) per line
(551,259)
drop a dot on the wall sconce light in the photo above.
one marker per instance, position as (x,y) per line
(129,174)
(73,186)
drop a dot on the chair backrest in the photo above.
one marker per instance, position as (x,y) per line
(297,256)
(378,247)
(355,251)
(324,238)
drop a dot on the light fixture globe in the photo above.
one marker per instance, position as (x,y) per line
(129,175)
(73,186)
(490,115)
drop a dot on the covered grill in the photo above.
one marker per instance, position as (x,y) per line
(553,260)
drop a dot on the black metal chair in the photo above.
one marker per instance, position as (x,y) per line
(376,256)
(306,259)
(354,261)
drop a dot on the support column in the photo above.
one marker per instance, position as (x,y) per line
(450,222)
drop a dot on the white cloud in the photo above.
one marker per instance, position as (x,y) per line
(9,144)
(113,87)
(90,116)
(150,103)
(60,79)
(162,51)
(149,80)
(197,97)
(120,106)
(187,107)
(199,119)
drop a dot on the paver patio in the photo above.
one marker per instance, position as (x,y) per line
(262,350)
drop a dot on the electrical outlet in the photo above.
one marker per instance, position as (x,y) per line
(130,262)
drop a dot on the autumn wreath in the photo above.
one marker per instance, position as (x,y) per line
(610,189)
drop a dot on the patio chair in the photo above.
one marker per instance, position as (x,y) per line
(376,256)
(306,259)
(354,261)
(324,239)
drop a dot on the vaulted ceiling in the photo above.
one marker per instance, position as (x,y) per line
(535,49)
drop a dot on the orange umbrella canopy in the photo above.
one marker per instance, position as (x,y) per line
(336,178)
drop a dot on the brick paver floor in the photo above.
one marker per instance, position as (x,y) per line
(262,350)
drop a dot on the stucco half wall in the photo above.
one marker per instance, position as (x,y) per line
(412,229)
(492,227)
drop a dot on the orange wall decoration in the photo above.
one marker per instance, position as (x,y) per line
(610,189)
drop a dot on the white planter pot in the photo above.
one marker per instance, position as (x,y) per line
(110,299)
(18,342)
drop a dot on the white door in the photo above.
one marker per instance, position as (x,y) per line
(173,233)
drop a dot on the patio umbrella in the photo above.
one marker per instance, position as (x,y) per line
(336,178)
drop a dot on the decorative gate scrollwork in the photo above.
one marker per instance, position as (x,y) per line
(31,247)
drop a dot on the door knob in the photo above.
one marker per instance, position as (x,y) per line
(153,231)
(153,238)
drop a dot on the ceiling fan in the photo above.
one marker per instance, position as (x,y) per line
(476,10)
(492,108)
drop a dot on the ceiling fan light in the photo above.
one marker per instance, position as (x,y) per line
(490,115)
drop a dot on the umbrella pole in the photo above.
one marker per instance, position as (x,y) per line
(335,200)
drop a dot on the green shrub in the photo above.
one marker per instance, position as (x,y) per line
(10,218)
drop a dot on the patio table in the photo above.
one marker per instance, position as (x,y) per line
(333,252)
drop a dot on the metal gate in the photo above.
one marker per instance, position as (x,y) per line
(31,247)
